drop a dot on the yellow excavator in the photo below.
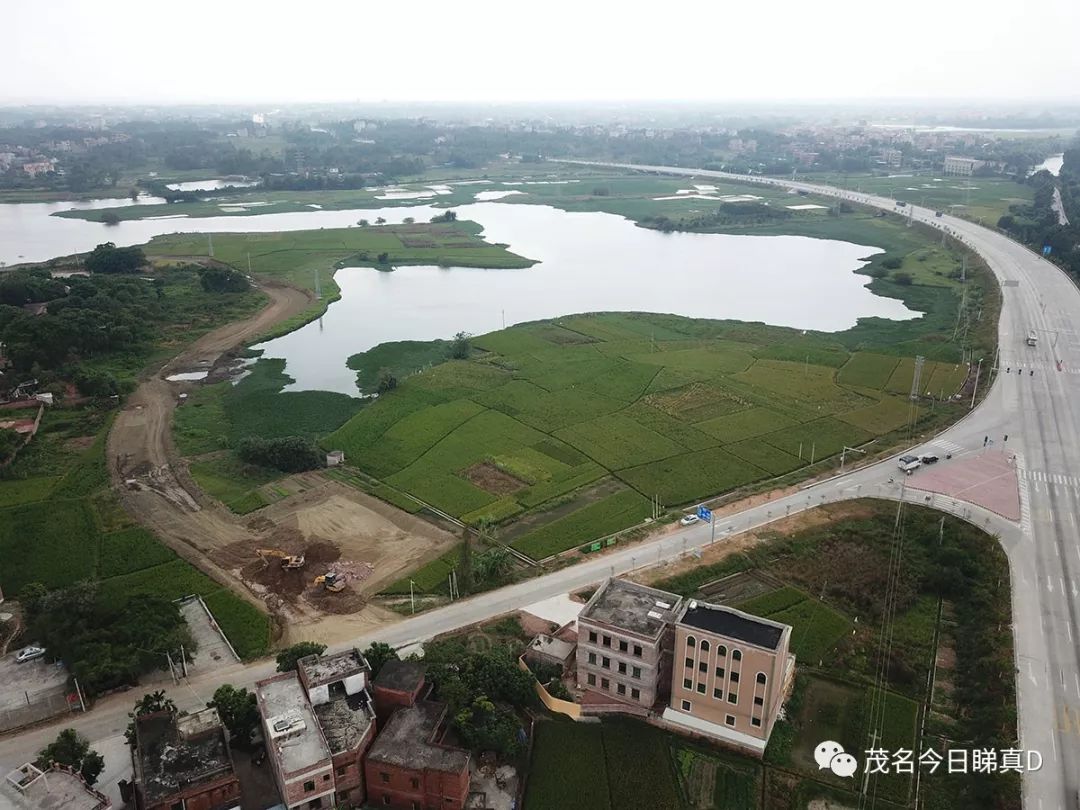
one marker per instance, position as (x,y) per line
(330,582)
(290,562)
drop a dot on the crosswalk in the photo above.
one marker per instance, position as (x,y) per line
(1048,477)
(1023,367)
(1025,497)
(943,447)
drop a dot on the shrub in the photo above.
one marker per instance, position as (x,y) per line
(290,454)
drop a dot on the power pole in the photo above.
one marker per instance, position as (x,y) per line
(210,244)
(318,286)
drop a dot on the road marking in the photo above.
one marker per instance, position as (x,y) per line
(1068,630)
(1049,584)
(1076,677)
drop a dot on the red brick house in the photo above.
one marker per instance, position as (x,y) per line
(398,685)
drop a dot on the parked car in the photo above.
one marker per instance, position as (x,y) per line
(928,458)
(908,463)
(29,654)
(689,520)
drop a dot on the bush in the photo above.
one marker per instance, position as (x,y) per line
(222,279)
(892,263)
(903,278)
(287,658)
(290,454)
(108,258)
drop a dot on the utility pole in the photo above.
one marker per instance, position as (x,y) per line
(412,599)
(210,244)
(975,388)
(318,286)
(249,262)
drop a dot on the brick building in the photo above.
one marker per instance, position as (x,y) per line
(732,673)
(625,634)
(398,685)
(183,762)
(336,686)
(409,768)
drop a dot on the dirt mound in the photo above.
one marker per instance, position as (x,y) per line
(491,479)
(343,602)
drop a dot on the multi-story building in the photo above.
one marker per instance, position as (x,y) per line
(399,684)
(336,686)
(961,166)
(409,768)
(299,755)
(732,672)
(625,636)
(183,762)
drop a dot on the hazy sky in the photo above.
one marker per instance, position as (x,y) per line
(135,51)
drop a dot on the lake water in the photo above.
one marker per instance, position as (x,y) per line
(212,184)
(589,262)
(1052,164)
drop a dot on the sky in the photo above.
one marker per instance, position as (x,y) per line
(242,51)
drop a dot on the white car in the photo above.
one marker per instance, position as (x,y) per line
(689,520)
(29,654)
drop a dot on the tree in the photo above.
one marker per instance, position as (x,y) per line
(222,279)
(387,381)
(288,454)
(445,216)
(377,654)
(409,220)
(238,711)
(460,346)
(383,258)
(363,223)
(464,567)
(110,218)
(287,658)
(902,278)
(487,727)
(73,750)
(108,258)
(380,221)
(150,703)
(892,263)
(489,567)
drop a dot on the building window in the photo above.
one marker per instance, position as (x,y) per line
(691,641)
(755,722)
(623,646)
(732,697)
(592,658)
(687,683)
(622,668)
(637,650)
(761,677)
(386,800)
(719,672)
(734,677)
(703,666)
(635,694)
(635,672)
(309,786)
(415,805)
(340,771)
(384,777)
(605,684)
(701,688)
(730,720)
(704,646)
(415,783)
(315,803)
(326,777)
(686,705)
(736,655)
(759,701)
(592,636)
(620,688)
(177,806)
(607,641)
(721,651)
(605,662)
(592,679)
(689,663)
(718,693)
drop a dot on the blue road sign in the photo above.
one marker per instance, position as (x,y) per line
(1047,249)
(704,513)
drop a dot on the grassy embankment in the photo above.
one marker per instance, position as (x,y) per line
(525,430)
(836,637)
(217,416)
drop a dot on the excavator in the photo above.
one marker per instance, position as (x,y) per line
(290,562)
(330,581)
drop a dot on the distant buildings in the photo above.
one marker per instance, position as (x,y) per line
(961,166)
(37,167)
(183,762)
(716,671)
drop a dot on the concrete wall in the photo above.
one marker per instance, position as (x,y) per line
(430,790)
(653,663)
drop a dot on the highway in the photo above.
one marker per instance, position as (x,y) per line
(1038,413)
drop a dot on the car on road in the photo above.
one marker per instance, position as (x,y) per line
(928,458)
(29,654)
(937,213)
(901,203)
(689,520)
(908,463)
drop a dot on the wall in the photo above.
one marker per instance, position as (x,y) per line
(553,704)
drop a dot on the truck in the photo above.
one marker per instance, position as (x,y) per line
(1032,337)
(909,463)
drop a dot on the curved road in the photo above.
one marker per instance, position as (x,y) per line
(1044,556)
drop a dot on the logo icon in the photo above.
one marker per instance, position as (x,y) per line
(830,754)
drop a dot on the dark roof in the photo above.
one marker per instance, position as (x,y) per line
(168,763)
(733,623)
(401,676)
(407,741)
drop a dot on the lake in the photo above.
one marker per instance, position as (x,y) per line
(589,262)
(1052,164)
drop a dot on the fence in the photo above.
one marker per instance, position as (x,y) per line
(39,706)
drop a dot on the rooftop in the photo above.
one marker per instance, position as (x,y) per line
(407,741)
(174,753)
(300,743)
(555,647)
(401,676)
(323,669)
(345,721)
(59,789)
(636,608)
(725,621)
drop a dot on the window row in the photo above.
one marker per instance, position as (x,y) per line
(623,669)
(623,646)
(620,688)
(729,719)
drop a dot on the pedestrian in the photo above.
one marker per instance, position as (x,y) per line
(985,440)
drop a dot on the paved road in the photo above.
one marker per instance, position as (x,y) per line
(1036,411)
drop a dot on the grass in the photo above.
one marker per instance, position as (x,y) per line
(130,550)
(815,627)
(51,542)
(242,623)
(609,515)
(233,482)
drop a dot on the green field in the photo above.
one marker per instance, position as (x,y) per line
(60,530)
(815,628)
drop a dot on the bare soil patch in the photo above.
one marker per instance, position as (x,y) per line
(491,479)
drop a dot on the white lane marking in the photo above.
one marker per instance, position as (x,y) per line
(1068,630)
(1049,584)
(1076,678)
(1062,581)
